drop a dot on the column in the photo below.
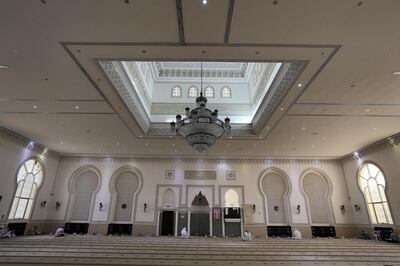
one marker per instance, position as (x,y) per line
(188,225)
(211,231)
(223,221)
(176,222)
(158,222)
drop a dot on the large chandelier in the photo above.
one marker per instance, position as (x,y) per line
(201,127)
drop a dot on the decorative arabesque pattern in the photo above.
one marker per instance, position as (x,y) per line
(29,179)
(372,184)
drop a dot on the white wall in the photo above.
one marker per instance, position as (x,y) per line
(12,155)
(387,159)
(247,174)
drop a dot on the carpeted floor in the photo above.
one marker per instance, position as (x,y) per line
(123,250)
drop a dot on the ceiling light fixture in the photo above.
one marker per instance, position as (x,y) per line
(299,85)
(394,72)
(4,66)
(204,2)
(201,127)
(76,107)
(35,107)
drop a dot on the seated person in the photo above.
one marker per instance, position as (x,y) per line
(4,232)
(364,235)
(59,232)
(184,233)
(296,234)
(247,236)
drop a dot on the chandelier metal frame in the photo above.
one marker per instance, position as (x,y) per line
(201,127)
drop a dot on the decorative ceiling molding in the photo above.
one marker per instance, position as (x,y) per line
(283,81)
(235,109)
(279,87)
(138,160)
(24,142)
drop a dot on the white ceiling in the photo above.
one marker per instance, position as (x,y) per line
(349,97)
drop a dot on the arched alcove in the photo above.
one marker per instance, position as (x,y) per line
(231,199)
(84,184)
(275,187)
(125,184)
(168,198)
(318,192)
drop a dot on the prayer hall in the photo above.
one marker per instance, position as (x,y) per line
(199,132)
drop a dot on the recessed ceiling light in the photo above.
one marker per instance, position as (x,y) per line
(268,128)
(140,136)
(299,85)
(394,72)
(303,128)
(146,144)
(204,2)
(367,110)
(35,107)
(173,144)
(77,107)
(4,66)
(282,109)
(230,137)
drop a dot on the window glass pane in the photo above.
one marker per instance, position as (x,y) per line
(387,212)
(362,183)
(382,193)
(29,165)
(373,170)
(39,178)
(226,92)
(19,214)
(176,92)
(36,168)
(33,192)
(21,174)
(19,189)
(373,189)
(13,208)
(372,213)
(193,92)
(26,190)
(380,179)
(209,92)
(367,195)
(28,209)
(364,172)
(380,213)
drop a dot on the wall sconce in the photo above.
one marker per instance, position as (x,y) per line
(276,208)
(58,205)
(298,208)
(357,208)
(1,197)
(254,208)
(101,206)
(342,209)
(43,204)
(144,207)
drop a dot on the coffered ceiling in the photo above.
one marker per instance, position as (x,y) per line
(340,55)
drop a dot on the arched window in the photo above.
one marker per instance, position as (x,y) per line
(192,92)
(226,92)
(29,179)
(372,184)
(209,92)
(176,92)
(231,199)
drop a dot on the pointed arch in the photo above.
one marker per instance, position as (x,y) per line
(168,198)
(193,92)
(231,199)
(83,187)
(123,180)
(269,180)
(29,179)
(372,183)
(317,189)
(209,92)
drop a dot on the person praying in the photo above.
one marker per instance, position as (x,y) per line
(296,234)
(247,236)
(59,232)
(184,233)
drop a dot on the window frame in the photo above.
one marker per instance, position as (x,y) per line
(197,92)
(230,92)
(389,220)
(180,92)
(213,92)
(34,198)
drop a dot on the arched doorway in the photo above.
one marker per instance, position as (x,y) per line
(200,216)
(167,215)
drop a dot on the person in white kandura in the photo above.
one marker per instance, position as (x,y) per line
(184,233)
(247,236)
(296,234)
